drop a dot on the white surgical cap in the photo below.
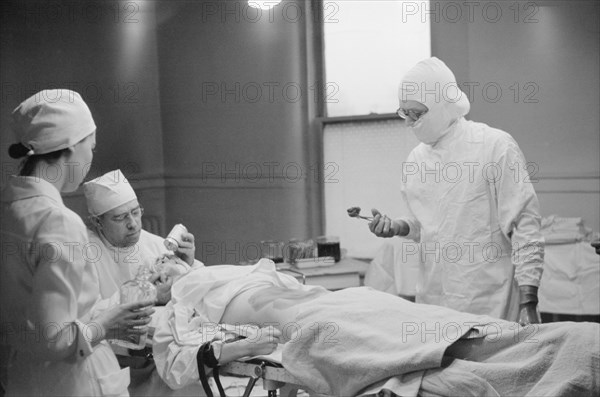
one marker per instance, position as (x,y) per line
(107,192)
(52,120)
(433,84)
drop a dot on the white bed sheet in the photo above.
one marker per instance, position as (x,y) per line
(571,280)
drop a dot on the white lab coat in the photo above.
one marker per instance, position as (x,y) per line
(48,292)
(480,235)
(116,265)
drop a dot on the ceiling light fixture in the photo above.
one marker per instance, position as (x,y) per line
(263,5)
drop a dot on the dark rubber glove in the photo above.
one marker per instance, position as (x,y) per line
(528,300)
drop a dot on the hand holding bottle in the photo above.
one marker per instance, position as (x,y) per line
(186,249)
(124,321)
(181,242)
(141,293)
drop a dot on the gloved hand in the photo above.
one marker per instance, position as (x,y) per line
(382,226)
(596,245)
(528,300)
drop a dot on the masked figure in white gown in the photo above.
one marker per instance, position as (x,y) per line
(471,204)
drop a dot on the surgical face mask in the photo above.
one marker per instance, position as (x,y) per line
(431,126)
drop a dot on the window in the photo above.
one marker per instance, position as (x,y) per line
(368,47)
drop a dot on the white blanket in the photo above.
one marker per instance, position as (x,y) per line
(351,339)
(355,339)
(557,359)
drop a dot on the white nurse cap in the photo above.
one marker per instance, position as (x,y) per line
(52,120)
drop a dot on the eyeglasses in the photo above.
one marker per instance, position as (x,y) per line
(134,213)
(413,114)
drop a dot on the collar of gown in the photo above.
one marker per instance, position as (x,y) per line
(24,187)
(448,134)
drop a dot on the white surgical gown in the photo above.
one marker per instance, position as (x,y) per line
(48,292)
(471,202)
(474,210)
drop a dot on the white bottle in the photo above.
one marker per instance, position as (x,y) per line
(136,290)
(175,237)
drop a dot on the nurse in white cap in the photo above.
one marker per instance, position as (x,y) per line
(471,204)
(48,288)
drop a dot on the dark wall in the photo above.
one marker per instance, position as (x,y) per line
(207,109)
(533,70)
(105,50)
(234,101)
(203,105)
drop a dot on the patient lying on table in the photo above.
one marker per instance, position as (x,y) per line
(359,340)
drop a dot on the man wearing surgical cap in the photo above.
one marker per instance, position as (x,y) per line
(116,230)
(123,247)
(478,224)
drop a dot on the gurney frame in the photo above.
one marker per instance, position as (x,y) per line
(274,377)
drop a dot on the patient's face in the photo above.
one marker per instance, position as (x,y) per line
(171,266)
(122,225)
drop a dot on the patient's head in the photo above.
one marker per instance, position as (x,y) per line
(171,265)
(114,209)
(167,270)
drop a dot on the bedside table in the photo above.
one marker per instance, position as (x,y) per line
(346,273)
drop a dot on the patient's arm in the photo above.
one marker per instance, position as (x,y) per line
(177,337)
(265,342)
